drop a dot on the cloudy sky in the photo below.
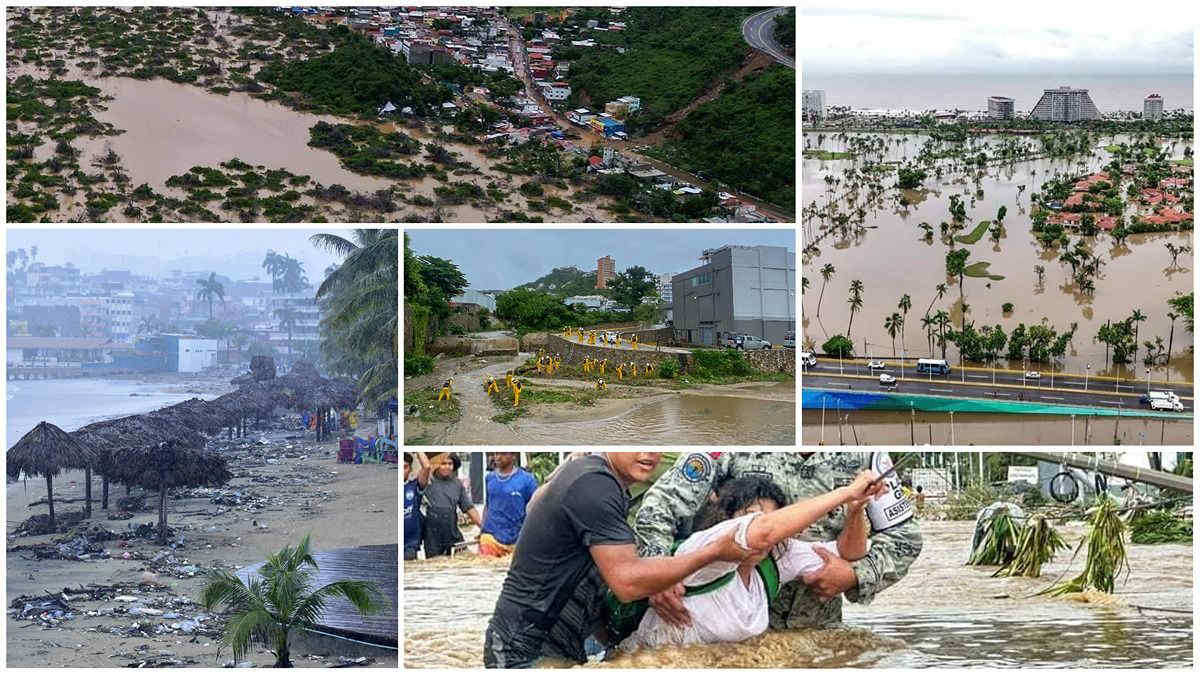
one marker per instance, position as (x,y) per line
(237,254)
(1011,37)
(503,258)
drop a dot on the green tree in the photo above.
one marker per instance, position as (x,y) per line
(855,301)
(893,324)
(904,305)
(827,272)
(628,288)
(956,266)
(267,608)
(939,292)
(442,276)
(838,345)
(210,288)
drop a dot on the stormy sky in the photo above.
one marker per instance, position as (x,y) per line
(503,258)
(237,254)
(1013,37)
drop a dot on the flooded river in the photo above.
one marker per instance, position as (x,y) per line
(891,258)
(971,620)
(932,428)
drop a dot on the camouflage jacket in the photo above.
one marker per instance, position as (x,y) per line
(669,509)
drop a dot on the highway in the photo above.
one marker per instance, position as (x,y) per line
(759,32)
(977,383)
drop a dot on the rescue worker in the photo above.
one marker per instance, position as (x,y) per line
(600,386)
(602,365)
(446,389)
(517,387)
(621,372)
(493,387)
(508,378)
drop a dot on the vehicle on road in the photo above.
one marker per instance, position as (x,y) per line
(1164,404)
(1168,396)
(807,360)
(752,342)
(885,379)
(610,336)
(1033,375)
(876,365)
(935,366)
(789,340)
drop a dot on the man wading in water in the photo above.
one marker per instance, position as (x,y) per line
(575,541)
(444,497)
(671,505)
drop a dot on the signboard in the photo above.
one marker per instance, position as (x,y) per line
(935,482)
(1029,474)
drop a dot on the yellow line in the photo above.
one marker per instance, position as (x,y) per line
(988,384)
(979,369)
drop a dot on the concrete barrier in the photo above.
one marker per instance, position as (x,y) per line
(461,346)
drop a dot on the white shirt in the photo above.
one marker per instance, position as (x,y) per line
(738,610)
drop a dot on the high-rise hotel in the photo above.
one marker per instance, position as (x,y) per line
(1065,105)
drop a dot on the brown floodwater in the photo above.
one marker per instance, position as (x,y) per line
(900,427)
(972,620)
(891,258)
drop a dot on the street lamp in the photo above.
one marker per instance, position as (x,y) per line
(1147,380)
(1085,376)
(951,427)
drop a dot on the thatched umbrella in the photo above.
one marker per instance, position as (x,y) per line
(45,451)
(168,464)
(130,431)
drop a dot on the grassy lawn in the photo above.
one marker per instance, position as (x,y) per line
(979,270)
(1186,161)
(431,409)
(503,400)
(827,154)
(976,234)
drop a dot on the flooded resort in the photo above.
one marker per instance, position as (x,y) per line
(372,115)
(998,602)
(203,472)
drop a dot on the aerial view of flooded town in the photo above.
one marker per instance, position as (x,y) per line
(400,114)
(997,236)
(599,337)
(202,453)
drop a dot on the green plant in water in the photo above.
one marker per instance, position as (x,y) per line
(999,543)
(1159,526)
(1037,545)
(1106,556)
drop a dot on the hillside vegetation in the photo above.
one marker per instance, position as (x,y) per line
(672,53)
(565,282)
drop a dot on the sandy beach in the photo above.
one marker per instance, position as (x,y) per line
(285,486)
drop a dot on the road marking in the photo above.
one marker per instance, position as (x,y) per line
(1051,398)
(946,391)
(999,393)
(978,377)
(1112,402)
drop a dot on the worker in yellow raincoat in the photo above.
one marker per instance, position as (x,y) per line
(446,389)
(492,386)
(517,387)
(600,386)
(621,371)
(508,379)
(602,365)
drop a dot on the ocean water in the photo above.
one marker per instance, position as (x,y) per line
(970,92)
(73,403)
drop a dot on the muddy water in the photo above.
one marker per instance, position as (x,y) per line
(891,258)
(875,427)
(972,619)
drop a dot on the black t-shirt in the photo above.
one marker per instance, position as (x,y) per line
(585,505)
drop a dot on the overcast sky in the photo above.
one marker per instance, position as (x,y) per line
(1007,37)
(502,259)
(237,254)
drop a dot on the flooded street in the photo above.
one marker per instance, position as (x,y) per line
(901,428)
(892,258)
(971,620)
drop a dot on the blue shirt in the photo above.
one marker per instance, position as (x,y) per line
(412,515)
(506,501)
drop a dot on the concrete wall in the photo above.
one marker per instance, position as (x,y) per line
(505,346)
(574,353)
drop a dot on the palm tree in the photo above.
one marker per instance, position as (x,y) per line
(267,609)
(1137,317)
(209,289)
(892,324)
(855,300)
(287,321)
(1170,341)
(905,305)
(942,319)
(360,327)
(927,324)
(827,272)
(939,293)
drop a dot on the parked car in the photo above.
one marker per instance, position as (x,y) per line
(750,342)
(789,340)
(1033,375)
(733,341)
(876,365)
(886,380)
(610,336)
(808,359)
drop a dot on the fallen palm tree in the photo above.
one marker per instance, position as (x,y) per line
(1037,545)
(1106,555)
(996,533)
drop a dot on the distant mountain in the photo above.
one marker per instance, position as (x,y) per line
(565,282)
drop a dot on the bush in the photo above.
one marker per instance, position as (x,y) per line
(1007,307)
(668,369)
(713,363)
(838,345)
(417,365)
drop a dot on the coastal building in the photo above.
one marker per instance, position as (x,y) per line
(474,297)
(1000,108)
(304,326)
(1152,108)
(605,270)
(812,105)
(589,301)
(556,91)
(737,289)
(664,288)
(1065,104)
(121,321)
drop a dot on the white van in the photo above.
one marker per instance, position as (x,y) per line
(807,359)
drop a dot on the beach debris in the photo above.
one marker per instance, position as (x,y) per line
(132,503)
(48,610)
(348,662)
(239,664)
(142,658)
(39,524)
(78,548)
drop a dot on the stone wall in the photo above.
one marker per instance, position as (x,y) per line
(461,346)
(773,360)
(574,353)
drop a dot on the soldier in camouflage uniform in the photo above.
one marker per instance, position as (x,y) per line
(670,507)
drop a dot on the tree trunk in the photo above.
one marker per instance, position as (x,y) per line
(87,492)
(162,512)
(50,501)
(283,655)
(104,493)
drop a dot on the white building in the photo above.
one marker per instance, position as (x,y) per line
(1152,108)
(589,301)
(580,116)
(1000,108)
(664,287)
(634,103)
(1065,105)
(812,104)
(196,354)
(307,315)
(121,321)
(556,91)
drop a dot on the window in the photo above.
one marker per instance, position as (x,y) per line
(702,279)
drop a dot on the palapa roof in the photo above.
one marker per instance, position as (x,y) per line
(45,451)
(172,463)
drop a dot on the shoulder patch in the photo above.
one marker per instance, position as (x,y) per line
(697,467)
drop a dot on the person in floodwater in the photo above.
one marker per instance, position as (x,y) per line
(728,601)
(413,521)
(509,489)
(669,509)
(576,541)
(444,497)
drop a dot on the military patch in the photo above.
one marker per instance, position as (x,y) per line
(697,467)
(808,471)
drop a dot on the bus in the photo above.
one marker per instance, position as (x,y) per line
(935,366)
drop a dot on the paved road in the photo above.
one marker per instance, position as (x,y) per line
(978,385)
(759,31)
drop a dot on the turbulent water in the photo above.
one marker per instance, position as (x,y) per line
(73,403)
(943,614)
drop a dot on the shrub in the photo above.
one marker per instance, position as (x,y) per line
(1007,308)
(668,369)
(417,365)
